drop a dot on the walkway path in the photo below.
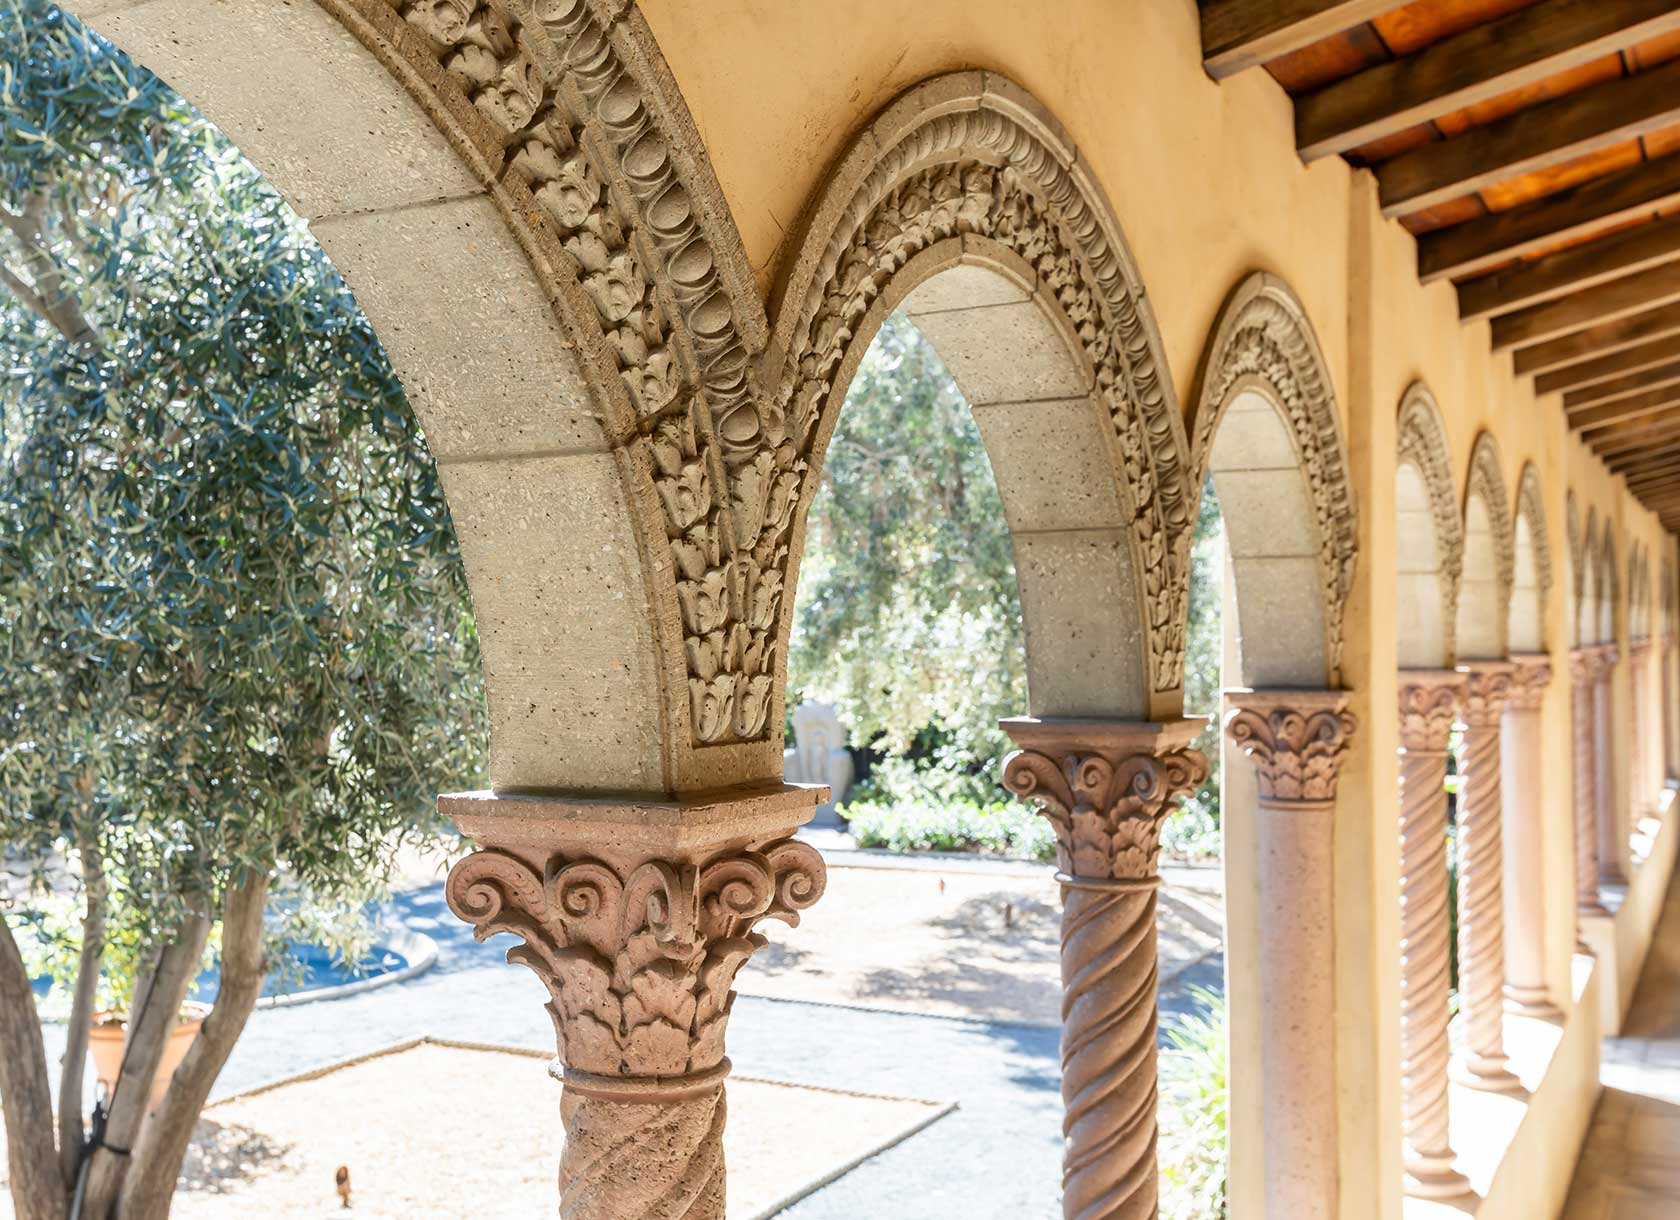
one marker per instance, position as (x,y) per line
(996,1156)
(1630,1165)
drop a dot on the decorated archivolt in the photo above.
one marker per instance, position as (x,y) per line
(1264,341)
(566,111)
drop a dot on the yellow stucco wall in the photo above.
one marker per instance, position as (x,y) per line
(1207,188)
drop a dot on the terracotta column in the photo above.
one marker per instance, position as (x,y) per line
(1428,701)
(1525,895)
(637,916)
(1481,861)
(1641,792)
(1584,665)
(1296,740)
(1106,787)
(1612,832)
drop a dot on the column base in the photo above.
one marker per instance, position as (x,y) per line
(1531,1002)
(1433,1177)
(1487,1076)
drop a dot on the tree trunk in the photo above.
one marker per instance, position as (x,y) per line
(70,1132)
(157,1004)
(150,1185)
(25,1095)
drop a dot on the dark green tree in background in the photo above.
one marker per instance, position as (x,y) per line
(908,616)
(236,648)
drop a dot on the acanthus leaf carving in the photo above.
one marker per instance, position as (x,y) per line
(1297,749)
(1106,812)
(639,963)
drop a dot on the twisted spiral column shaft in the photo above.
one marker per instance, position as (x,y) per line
(1612,834)
(1481,893)
(648,1159)
(1109,986)
(1426,722)
(1581,673)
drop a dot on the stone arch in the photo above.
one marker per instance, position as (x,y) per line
(1609,585)
(1489,557)
(1268,429)
(1589,581)
(579,373)
(1430,551)
(964,204)
(1531,573)
(1639,594)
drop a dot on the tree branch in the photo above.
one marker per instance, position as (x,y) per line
(70,1130)
(157,1007)
(163,1142)
(25,1094)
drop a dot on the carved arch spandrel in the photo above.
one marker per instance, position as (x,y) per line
(1485,481)
(1422,444)
(969,169)
(1265,342)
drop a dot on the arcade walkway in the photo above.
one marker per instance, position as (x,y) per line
(1630,1164)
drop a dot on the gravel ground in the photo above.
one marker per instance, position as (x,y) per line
(1003,1075)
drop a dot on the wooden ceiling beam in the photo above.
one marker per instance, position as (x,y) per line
(1624,451)
(1475,245)
(1621,387)
(1593,372)
(1238,34)
(1534,139)
(1598,340)
(1553,275)
(1617,299)
(1663,467)
(1609,439)
(1631,459)
(1631,407)
(1482,62)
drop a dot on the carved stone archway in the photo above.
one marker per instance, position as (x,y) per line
(964,204)
(1488,574)
(1431,534)
(1286,475)
(1531,582)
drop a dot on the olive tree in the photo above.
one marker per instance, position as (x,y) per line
(235,640)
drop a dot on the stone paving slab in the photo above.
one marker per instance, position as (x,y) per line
(997,1156)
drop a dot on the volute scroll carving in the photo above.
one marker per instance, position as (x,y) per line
(639,962)
(1296,742)
(1429,703)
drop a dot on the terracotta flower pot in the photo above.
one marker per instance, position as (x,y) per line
(109,1034)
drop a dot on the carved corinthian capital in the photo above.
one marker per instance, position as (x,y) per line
(1531,675)
(637,916)
(1429,700)
(639,961)
(1295,739)
(1106,789)
(1487,688)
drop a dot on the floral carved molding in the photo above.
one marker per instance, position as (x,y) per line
(1531,507)
(1297,748)
(566,111)
(1486,480)
(639,963)
(1265,342)
(970,160)
(1422,442)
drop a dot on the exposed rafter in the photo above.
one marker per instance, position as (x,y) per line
(1599,340)
(1616,299)
(1238,34)
(1572,126)
(1636,249)
(1482,62)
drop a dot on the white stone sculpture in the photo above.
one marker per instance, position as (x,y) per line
(819,754)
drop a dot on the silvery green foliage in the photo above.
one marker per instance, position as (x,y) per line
(234,629)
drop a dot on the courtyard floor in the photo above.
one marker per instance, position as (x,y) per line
(918,980)
(1630,1163)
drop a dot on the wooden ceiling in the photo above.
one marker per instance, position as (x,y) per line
(1533,148)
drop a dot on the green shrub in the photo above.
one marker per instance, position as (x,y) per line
(1195,1153)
